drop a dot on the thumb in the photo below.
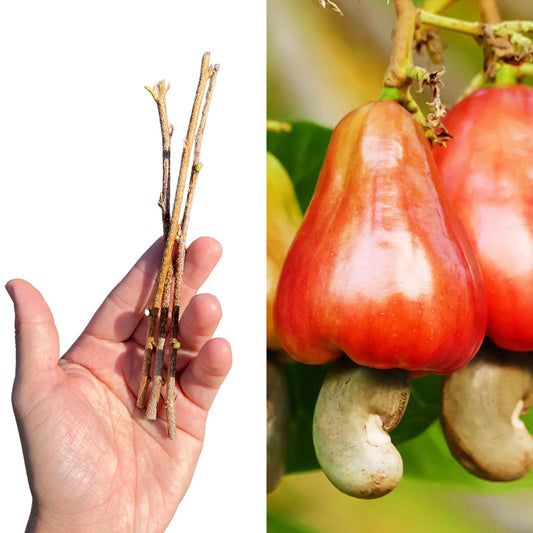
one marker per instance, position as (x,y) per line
(36,336)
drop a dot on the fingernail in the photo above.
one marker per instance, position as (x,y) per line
(10,290)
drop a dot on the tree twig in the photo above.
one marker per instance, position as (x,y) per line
(160,344)
(159,93)
(180,259)
(166,260)
(475,29)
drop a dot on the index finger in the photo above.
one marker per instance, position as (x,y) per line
(123,309)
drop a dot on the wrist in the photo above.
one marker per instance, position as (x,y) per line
(35,523)
(40,521)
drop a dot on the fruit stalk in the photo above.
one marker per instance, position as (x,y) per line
(401,72)
(401,60)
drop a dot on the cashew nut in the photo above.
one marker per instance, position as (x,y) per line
(277,423)
(481,405)
(356,408)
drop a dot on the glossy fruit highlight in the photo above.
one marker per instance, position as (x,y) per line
(381,268)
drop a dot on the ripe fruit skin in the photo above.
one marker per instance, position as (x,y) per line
(487,172)
(284,217)
(381,268)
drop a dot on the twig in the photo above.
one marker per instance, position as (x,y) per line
(401,72)
(166,260)
(166,265)
(427,38)
(157,384)
(475,29)
(180,260)
(159,93)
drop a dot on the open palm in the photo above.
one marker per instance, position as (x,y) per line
(93,462)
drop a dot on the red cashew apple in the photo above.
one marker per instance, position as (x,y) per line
(487,172)
(381,268)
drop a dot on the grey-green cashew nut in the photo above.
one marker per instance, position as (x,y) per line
(481,405)
(355,410)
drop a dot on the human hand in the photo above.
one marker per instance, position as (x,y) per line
(93,462)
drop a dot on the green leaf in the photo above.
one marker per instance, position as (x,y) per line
(304,383)
(301,151)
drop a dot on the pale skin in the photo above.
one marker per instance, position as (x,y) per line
(93,462)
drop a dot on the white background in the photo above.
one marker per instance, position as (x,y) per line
(80,177)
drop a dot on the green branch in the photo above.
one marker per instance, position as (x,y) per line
(474,29)
(516,28)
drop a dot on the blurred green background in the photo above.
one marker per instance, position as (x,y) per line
(320,66)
